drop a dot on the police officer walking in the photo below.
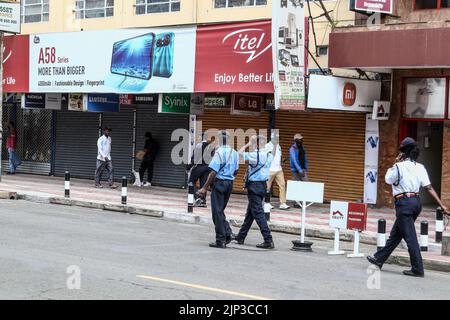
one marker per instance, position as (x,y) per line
(256,178)
(224,166)
(406,177)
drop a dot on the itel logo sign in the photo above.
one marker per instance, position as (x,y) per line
(6,56)
(349,94)
(252,42)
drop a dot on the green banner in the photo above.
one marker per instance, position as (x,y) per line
(174,103)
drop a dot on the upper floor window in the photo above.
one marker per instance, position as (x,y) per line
(34,11)
(431,4)
(156,6)
(86,9)
(238,3)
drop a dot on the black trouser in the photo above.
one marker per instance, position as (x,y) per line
(407,210)
(220,194)
(146,165)
(199,172)
(255,211)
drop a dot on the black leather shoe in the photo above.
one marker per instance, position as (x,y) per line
(239,240)
(413,274)
(217,245)
(374,261)
(266,245)
(230,238)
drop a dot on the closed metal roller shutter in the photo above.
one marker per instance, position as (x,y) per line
(121,124)
(222,119)
(334,142)
(166,173)
(76,143)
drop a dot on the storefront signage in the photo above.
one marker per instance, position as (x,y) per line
(357,216)
(246,104)
(53,101)
(174,103)
(77,102)
(381,6)
(270,102)
(197,103)
(123,61)
(371,160)
(16,53)
(235,57)
(126,99)
(33,101)
(102,102)
(381,110)
(342,94)
(338,215)
(10,17)
(288,34)
(215,101)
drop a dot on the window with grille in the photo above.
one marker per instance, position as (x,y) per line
(157,6)
(34,11)
(238,3)
(87,9)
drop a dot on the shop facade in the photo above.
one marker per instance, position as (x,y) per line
(418,89)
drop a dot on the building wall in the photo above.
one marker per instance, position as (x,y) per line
(62,18)
(389,136)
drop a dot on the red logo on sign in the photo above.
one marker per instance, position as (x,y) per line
(337,213)
(349,94)
(16,64)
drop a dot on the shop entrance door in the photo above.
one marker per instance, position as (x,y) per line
(429,137)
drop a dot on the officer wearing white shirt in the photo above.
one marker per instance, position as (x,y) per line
(104,159)
(407,177)
(276,170)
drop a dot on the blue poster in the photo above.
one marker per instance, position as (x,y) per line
(33,101)
(102,102)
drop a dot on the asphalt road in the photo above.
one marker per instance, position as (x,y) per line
(43,249)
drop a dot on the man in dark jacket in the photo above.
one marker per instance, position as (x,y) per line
(151,150)
(299,159)
(199,167)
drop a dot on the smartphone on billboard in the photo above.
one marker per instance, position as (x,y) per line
(134,57)
(164,55)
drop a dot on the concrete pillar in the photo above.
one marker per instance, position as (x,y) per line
(446,245)
(445,181)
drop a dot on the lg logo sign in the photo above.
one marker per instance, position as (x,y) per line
(252,42)
(349,94)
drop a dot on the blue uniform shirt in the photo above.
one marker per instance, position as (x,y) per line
(225,163)
(258,171)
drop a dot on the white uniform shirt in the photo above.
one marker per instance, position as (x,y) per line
(276,163)
(104,148)
(413,176)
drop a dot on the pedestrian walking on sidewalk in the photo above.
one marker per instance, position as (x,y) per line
(276,169)
(11,145)
(151,149)
(259,162)
(299,159)
(199,167)
(104,161)
(407,177)
(224,166)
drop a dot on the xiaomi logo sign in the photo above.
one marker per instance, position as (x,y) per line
(349,94)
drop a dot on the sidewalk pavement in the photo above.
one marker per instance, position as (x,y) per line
(172,204)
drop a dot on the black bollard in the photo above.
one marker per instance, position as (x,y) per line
(67,184)
(191,191)
(381,236)
(439,224)
(424,236)
(267,206)
(124,190)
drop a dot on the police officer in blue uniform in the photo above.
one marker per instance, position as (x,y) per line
(407,176)
(259,162)
(224,166)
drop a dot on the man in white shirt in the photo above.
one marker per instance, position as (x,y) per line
(276,170)
(104,159)
(407,177)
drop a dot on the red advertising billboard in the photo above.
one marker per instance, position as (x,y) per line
(16,63)
(357,216)
(382,6)
(234,57)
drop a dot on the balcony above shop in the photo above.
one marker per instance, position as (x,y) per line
(391,46)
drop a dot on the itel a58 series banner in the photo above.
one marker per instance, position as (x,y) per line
(235,57)
(122,61)
(288,38)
